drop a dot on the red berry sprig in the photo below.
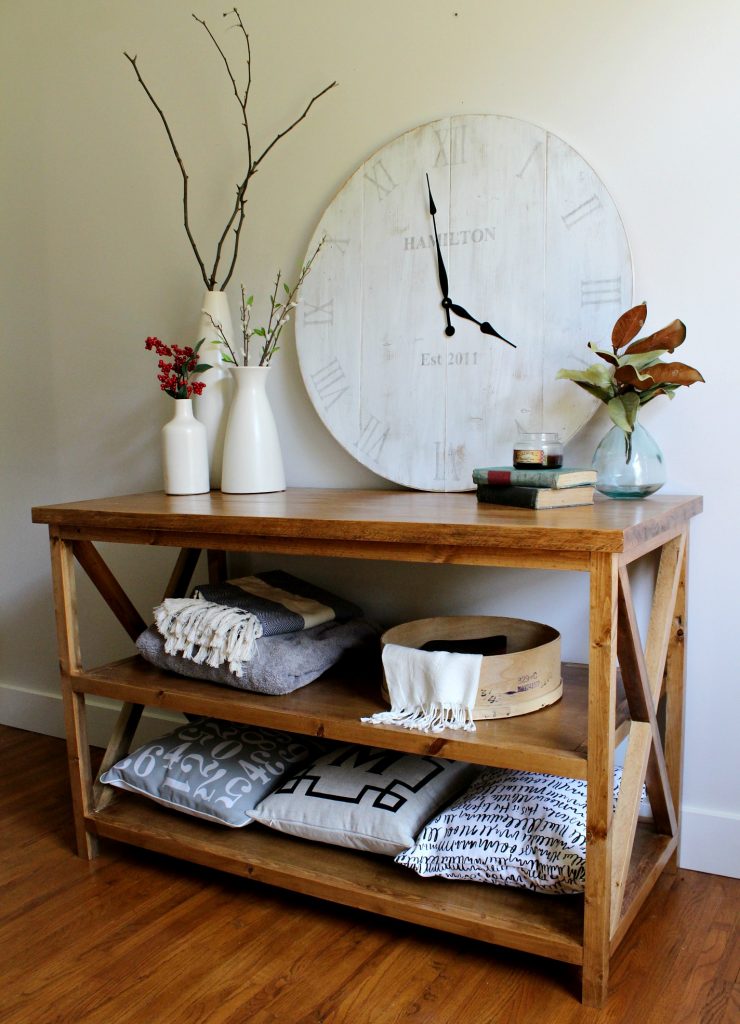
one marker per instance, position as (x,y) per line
(176,364)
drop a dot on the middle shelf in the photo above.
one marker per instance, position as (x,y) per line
(552,740)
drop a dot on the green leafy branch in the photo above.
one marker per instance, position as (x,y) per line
(283,300)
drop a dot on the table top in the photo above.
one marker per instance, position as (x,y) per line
(381,516)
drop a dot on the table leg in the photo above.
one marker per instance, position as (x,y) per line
(70,664)
(600,774)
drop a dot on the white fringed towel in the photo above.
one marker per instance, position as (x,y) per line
(208,632)
(429,690)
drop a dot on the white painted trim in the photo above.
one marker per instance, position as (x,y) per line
(38,711)
(710,841)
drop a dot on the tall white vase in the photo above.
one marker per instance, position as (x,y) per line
(253,462)
(212,406)
(184,452)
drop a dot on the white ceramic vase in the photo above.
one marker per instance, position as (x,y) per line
(212,406)
(253,462)
(184,452)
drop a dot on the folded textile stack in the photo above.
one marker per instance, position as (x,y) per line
(271,632)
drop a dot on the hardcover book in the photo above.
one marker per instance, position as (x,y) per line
(504,476)
(535,497)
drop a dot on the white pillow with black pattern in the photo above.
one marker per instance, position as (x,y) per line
(510,828)
(212,769)
(364,797)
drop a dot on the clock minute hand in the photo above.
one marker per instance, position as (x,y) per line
(443,282)
(484,325)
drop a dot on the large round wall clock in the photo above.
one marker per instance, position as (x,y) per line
(464,264)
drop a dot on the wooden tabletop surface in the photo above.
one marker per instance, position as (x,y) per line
(389,516)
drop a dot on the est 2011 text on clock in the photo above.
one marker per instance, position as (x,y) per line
(524,235)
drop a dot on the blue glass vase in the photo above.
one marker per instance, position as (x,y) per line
(628,465)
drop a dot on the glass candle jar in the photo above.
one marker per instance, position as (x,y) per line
(538,451)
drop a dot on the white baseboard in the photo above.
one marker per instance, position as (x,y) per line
(36,711)
(710,840)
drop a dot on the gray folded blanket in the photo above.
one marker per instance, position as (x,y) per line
(222,622)
(280,664)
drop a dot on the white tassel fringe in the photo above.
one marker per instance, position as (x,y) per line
(433,717)
(208,632)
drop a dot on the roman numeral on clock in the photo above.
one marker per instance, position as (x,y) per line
(372,438)
(456,138)
(330,383)
(379,176)
(321,314)
(599,292)
(584,209)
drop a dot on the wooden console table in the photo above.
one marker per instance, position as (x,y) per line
(575,737)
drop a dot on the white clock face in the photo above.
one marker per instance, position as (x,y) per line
(531,242)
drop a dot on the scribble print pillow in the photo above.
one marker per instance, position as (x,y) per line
(211,769)
(510,828)
(364,797)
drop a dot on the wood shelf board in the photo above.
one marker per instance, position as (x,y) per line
(550,740)
(417,518)
(546,925)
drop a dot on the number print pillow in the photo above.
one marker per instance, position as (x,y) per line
(510,828)
(364,797)
(211,769)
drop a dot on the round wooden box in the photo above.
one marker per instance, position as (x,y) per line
(524,677)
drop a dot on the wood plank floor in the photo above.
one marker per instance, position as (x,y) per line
(134,938)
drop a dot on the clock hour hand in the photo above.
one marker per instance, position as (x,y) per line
(443,282)
(484,325)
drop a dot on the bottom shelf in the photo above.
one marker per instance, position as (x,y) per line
(550,926)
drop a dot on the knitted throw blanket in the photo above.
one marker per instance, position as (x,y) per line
(221,623)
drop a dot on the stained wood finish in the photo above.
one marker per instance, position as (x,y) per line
(553,741)
(575,737)
(362,518)
(128,939)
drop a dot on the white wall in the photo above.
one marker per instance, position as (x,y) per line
(95,259)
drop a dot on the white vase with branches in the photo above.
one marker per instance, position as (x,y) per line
(214,407)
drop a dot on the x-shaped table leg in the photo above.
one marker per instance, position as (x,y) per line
(642,676)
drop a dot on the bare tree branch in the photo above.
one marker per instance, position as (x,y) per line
(281,135)
(180,164)
(236,218)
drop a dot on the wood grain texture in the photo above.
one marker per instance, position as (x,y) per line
(575,737)
(552,740)
(362,518)
(531,242)
(127,939)
(600,775)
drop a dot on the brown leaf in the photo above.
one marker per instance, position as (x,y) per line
(628,326)
(667,338)
(660,373)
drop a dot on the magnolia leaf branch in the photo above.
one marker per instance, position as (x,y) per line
(637,375)
(235,221)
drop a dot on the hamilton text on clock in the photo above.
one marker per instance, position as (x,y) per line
(466,237)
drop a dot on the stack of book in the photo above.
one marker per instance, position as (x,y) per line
(535,488)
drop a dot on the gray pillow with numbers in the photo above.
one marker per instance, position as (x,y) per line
(212,769)
(512,828)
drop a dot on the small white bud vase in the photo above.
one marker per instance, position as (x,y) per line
(212,406)
(253,461)
(184,452)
